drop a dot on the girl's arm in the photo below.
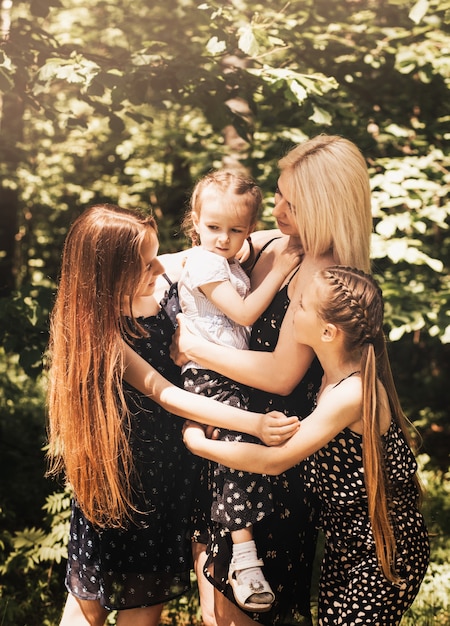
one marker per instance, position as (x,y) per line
(271,429)
(340,408)
(245,311)
(276,372)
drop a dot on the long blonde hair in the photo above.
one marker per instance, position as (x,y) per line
(353,302)
(329,188)
(87,413)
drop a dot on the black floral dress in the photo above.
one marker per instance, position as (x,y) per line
(352,587)
(149,562)
(286,539)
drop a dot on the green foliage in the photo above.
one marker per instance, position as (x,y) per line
(23,323)
(25,314)
(134,118)
(432,605)
(31,568)
(411,245)
(34,545)
(32,600)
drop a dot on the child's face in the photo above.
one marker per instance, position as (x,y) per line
(307,324)
(223,225)
(151,266)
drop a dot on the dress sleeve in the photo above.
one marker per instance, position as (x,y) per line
(206,267)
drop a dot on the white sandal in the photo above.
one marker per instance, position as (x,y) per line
(244,590)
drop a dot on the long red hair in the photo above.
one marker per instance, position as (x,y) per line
(87,413)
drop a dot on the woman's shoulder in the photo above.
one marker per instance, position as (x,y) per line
(173,263)
(262,238)
(254,246)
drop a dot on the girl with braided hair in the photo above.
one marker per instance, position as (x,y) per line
(357,456)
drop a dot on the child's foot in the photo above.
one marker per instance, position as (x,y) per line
(251,590)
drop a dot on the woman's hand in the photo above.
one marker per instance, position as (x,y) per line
(183,340)
(276,428)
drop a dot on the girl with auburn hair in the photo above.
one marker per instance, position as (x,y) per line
(121,452)
(357,456)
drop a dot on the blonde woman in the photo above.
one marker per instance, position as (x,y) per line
(322,203)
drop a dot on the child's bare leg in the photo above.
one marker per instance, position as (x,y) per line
(146,616)
(242,535)
(90,613)
(228,614)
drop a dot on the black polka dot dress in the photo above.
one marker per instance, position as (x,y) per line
(353,590)
(239,499)
(286,539)
(148,562)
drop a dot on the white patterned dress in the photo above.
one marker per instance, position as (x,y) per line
(231,498)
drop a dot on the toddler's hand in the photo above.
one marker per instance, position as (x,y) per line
(289,259)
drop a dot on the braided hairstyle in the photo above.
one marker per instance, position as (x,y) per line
(353,302)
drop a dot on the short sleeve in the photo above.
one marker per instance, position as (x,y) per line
(205,267)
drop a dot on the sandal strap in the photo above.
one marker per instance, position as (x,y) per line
(243,591)
(245,564)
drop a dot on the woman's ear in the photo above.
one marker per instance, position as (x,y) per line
(329,332)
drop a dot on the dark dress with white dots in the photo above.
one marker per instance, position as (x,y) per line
(148,562)
(239,499)
(286,539)
(353,590)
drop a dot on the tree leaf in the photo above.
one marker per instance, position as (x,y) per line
(419,10)
(247,41)
(215,47)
